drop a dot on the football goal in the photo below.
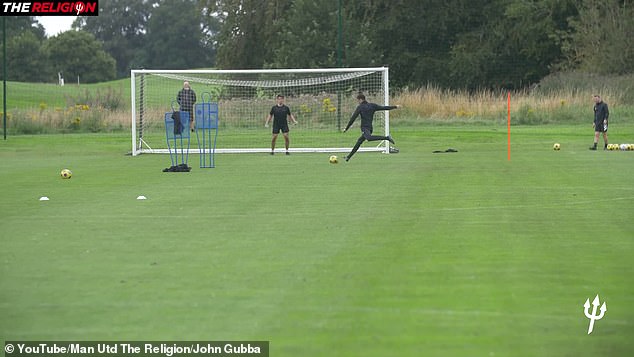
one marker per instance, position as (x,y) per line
(322,101)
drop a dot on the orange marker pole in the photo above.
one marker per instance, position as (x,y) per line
(508,125)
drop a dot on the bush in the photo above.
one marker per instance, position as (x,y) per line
(107,99)
(22,122)
(79,118)
(618,89)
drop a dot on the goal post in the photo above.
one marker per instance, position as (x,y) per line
(322,101)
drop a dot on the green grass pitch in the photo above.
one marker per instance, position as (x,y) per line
(410,254)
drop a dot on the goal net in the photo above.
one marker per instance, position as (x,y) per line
(322,101)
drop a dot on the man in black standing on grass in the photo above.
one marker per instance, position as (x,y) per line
(279,113)
(600,124)
(366,110)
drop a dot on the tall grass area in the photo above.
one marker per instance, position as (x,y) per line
(36,108)
(561,98)
(44,108)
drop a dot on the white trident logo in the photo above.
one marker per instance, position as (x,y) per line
(593,316)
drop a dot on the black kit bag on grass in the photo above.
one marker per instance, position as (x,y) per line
(178,168)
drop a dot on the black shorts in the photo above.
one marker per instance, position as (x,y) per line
(277,127)
(601,127)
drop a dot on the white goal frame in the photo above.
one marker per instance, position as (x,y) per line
(140,147)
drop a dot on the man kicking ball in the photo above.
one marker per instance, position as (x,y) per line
(366,110)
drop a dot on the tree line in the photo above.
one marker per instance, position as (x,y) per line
(449,43)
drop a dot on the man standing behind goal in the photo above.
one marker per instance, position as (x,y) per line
(366,110)
(280,112)
(186,98)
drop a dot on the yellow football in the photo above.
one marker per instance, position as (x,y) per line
(66,174)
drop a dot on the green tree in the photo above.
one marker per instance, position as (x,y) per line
(121,26)
(24,37)
(602,40)
(306,37)
(176,38)
(452,43)
(415,38)
(514,47)
(248,30)
(26,59)
(16,25)
(78,54)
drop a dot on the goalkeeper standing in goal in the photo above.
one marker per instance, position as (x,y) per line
(280,114)
(366,110)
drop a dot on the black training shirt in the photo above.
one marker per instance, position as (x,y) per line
(366,110)
(280,113)
(601,112)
